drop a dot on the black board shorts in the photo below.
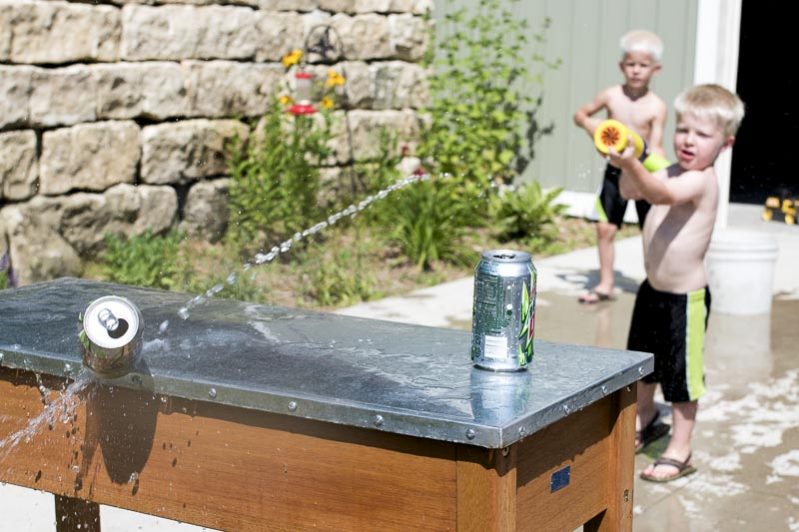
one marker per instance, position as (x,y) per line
(672,327)
(610,205)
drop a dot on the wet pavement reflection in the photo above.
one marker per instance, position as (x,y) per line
(746,444)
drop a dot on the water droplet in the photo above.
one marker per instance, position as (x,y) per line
(183,313)
(163,327)
(212,393)
(133,477)
(470,434)
(297,237)
(231,279)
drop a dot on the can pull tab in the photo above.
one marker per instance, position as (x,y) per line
(505,255)
(115,327)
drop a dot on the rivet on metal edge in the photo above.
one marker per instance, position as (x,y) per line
(470,434)
(292,406)
(640,370)
(505,451)
(378,420)
(566,408)
(629,388)
(522,431)
(604,389)
(212,393)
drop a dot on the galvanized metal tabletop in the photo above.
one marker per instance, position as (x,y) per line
(367,373)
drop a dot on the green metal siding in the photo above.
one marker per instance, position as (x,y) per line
(585,35)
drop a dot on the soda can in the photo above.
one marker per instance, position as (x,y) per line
(111,336)
(503,312)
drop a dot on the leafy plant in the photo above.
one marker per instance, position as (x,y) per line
(481,99)
(142,260)
(275,177)
(428,221)
(340,279)
(527,213)
(3,280)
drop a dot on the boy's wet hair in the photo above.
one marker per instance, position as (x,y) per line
(714,102)
(642,41)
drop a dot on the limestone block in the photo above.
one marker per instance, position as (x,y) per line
(229,88)
(278,34)
(366,129)
(152,90)
(59,32)
(410,36)
(123,210)
(63,96)
(38,251)
(364,36)
(385,85)
(19,166)
(355,6)
(188,32)
(186,151)
(205,214)
(6,31)
(89,156)
(289,5)
(15,88)
(420,7)
(251,3)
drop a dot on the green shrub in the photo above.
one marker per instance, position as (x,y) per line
(3,280)
(527,213)
(482,99)
(275,178)
(143,260)
(426,220)
(338,279)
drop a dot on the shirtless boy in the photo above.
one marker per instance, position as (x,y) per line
(673,303)
(640,109)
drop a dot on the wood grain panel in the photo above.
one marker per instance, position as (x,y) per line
(486,489)
(225,467)
(580,441)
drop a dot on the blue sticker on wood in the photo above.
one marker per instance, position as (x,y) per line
(560,479)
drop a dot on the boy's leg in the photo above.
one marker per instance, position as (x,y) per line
(646,404)
(605,233)
(679,447)
(610,207)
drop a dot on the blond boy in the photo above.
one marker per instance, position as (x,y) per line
(640,109)
(673,303)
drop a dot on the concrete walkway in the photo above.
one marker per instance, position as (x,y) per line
(748,427)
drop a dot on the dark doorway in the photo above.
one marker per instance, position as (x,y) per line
(764,162)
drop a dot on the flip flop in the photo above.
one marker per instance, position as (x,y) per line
(592,297)
(651,433)
(683,469)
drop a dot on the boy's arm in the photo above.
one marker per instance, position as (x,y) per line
(656,132)
(639,183)
(583,115)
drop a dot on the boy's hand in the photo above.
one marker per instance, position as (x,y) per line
(623,159)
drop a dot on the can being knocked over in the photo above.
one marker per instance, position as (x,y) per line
(111,336)
(503,313)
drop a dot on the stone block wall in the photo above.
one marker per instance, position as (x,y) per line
(115,114)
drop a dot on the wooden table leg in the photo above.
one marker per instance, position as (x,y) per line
(486,489)
(619,513)
(76,514)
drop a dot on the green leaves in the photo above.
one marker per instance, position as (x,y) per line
(143,260)
(527,213)
(275,178)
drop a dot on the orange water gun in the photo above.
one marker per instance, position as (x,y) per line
(612,133)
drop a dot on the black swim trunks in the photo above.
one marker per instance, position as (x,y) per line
(611,206)
(672,327)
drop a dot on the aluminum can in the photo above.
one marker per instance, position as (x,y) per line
(503,312)
(111,336)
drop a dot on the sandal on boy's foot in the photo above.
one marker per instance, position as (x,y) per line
(654,430)
(594,296)
(683,469)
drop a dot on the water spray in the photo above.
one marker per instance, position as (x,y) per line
(111,336)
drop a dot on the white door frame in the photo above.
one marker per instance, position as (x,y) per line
(718,31)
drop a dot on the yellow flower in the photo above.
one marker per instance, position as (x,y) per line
(292,58)
(334,78)
(326,102)
(285,100)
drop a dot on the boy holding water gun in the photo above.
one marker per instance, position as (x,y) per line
(634,105)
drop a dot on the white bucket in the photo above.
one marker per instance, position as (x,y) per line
(740,269)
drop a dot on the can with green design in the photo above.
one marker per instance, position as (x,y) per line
(503,312)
